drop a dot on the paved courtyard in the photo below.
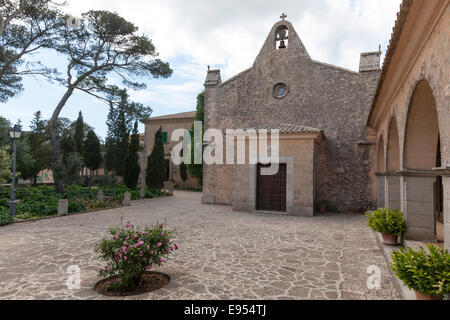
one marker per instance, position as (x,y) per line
(223,254)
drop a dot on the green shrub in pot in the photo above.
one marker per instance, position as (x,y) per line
(387,221)
(425,272)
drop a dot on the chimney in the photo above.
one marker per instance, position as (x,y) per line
(370,61)
(213,78)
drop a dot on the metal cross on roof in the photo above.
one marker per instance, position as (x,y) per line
(283,16)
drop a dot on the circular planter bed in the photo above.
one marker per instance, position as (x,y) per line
(150,281)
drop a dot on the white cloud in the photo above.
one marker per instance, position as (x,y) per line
(230,33)
(227,34)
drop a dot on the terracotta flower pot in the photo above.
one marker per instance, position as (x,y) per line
(389,239)
(424,296)
(322,207)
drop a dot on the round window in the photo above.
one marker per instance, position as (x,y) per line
(280,90)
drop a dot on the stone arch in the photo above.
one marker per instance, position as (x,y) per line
(393,148)
(381,170)
(393,189)
(381,158)
(423,187)
(422,130)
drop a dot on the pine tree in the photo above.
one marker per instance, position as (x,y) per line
(92,153)
(132,168)
(79,134)
(104,44)
(156,166)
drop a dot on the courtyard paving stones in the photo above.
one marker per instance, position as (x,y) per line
(223,254)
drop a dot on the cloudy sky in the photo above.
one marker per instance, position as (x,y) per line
(224,34)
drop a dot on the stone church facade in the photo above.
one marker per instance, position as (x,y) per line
(349,141)
(321,111)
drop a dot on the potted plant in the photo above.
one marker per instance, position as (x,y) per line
(390,223)
(427,273)
(322,206)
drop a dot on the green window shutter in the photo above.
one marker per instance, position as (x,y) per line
(164,137)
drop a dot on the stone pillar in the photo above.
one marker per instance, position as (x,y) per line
(393,192)
(446,183)
(142,193)
(403,194)
(420,208)
(168,188)
(208,199)
(63,207)
(127,199)
(100,196)
(381,197)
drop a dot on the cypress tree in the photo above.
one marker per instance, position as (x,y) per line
(110,142)
(79,134)
(183,171)
(196,170)
(118,136)
(132,168)
(156,166)
(68,146)
(123,138)
(92,153)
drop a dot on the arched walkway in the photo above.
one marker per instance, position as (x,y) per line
(423,187)
(422,130)
(381,175)
(393,167)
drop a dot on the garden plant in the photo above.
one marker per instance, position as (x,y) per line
(42,201)
(425,272)
(129,252)
(390,223)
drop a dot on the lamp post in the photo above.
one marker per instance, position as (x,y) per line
(15,134)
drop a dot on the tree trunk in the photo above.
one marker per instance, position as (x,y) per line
(57,158)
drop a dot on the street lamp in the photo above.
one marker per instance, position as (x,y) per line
(15,134)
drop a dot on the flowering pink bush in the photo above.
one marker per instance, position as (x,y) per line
(129,252)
